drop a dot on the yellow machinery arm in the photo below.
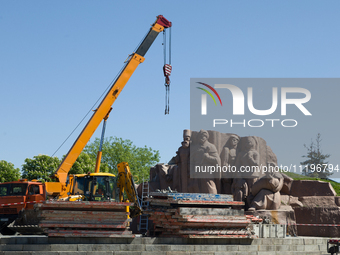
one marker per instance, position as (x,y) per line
(135,59)
(125,183)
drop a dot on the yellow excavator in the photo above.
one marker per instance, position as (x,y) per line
(96,187)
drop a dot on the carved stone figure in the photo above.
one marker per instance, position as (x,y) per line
(183,161)
(228,155)
(260,190)
(266,192)
(243,181)
(228,158)
(204,154)
(186,135)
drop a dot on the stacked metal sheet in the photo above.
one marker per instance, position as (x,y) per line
(198,215)
(85,219)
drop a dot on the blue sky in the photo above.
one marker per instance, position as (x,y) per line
(57,58)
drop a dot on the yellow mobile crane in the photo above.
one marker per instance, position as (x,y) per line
(98,187)
(62,187)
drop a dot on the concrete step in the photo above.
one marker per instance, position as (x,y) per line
(157,240)
(35,245)
(159,248)
(153,253)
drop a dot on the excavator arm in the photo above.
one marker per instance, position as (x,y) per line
(134,60)
(126,184)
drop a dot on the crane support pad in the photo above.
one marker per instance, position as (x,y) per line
(198,215)
(193,196)
(84,218)
(81,205)
(192,202)
(88,233)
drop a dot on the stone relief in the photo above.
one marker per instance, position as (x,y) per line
(293,201)
(259,190)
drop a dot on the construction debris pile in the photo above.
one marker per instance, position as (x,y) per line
(195,215)
(85,219)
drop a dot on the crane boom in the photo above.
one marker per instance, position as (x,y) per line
(135,59)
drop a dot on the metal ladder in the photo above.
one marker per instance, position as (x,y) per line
(144,219)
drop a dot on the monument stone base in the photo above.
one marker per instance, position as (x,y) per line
(284,216)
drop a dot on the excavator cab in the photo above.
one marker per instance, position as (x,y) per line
(96,187)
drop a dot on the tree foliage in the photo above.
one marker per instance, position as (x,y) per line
(40,167)
(315,164)
(8,172)
(86,164)
(116,150)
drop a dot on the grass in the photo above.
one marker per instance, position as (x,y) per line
(335,185)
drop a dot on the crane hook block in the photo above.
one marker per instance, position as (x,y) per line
(167,72)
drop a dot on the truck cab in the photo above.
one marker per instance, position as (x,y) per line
(18,195)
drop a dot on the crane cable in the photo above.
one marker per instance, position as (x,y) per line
(91,109)
(167,71)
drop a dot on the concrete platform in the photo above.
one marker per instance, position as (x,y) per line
(41,245)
